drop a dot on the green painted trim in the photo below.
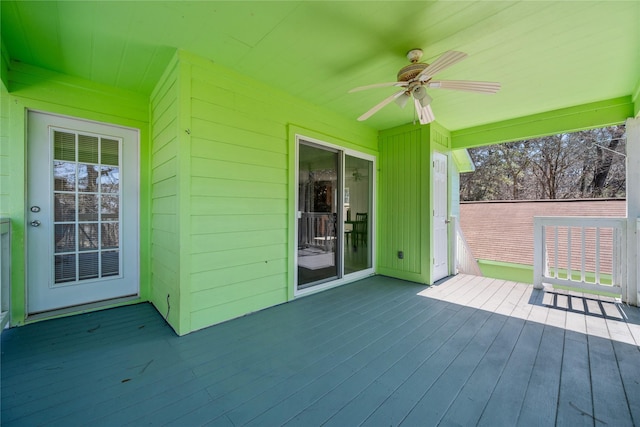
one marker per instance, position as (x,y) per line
(85,309)
(4,65)
(403,275)
(401,130)
(524,274)
(428,245)
(292,209)
(163,78)
(17,209)
(331,139)
(596,114)
(636,100)
(463,161)
(506,271)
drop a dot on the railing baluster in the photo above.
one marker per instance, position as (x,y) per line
(555,254)
(615,250)
(583,253)
(569,253)
(594,261)
(597,278)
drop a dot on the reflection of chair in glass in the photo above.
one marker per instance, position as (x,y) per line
(360,229)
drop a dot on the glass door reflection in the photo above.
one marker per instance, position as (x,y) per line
(357,207)
(318,228)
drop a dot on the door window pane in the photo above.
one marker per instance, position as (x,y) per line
(65,237)
(64,146)
(110,179)
(110,152)
(110,263)
(87,207)
(88,236)
(65,268)
(64,176)
(88,149)
(88,178)
(110,235)
(65,207)
(88,265)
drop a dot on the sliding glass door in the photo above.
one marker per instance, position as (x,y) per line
(334,214)
(357,217)
(318,195)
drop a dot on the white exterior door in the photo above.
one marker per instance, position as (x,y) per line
(440,217)
(82,212)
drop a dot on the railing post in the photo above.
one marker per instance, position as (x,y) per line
(538,252)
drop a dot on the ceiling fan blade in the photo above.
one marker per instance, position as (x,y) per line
(444,61)
(377,108)
(466,85)
(358,89)
(425,114)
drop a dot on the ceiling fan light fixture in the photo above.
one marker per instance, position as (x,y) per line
(425,100)
(419,92)
(403,99)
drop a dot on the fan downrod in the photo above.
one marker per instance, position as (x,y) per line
(414,55)
(409,72)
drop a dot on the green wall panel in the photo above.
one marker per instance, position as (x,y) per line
(230,275)
(506,271)
(37,89)
(229,309)
(403,203)
(237,193)
(5,159)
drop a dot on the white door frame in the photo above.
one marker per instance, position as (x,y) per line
(42,294)
(346,278)
(440,218)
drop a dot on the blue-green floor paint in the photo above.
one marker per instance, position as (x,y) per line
(373,353)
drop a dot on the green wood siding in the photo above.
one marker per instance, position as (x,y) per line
(220,190)
(405,208)
(165,248)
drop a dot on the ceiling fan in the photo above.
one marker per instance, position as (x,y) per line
(416,77)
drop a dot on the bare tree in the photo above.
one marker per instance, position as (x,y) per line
(585,164)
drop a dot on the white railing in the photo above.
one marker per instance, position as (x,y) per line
(316,229)
(464,260)
(5,273)
(587,253)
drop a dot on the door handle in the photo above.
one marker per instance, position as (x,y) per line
(447,221)
(35,223)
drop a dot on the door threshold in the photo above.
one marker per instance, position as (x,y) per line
(83,308)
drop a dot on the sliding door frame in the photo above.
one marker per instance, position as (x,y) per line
(342,278)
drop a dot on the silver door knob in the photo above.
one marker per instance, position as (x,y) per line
(35,223)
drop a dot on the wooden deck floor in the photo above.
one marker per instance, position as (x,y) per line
(379,352)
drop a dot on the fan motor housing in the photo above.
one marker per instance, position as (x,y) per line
(410,71)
